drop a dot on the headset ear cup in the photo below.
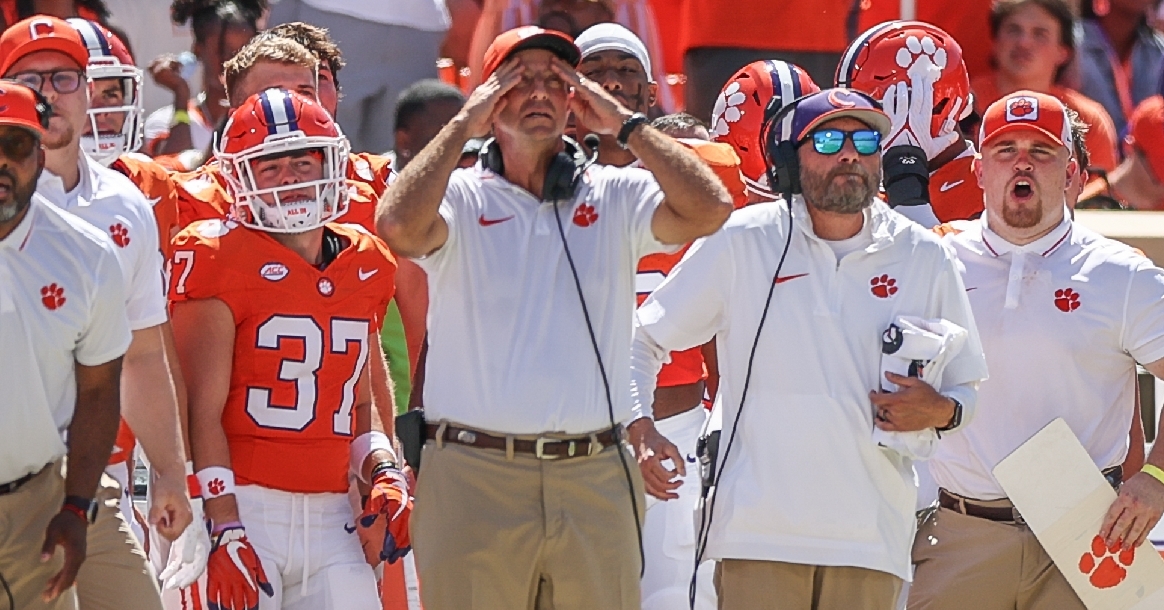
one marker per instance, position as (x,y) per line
(490,157)
(560,178)
(783,162)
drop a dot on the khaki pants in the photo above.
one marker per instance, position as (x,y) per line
(744,584)
(972,563)
(493,533)
(24,516)
(116,574)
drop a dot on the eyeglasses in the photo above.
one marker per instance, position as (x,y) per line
(831,141)
(17,144)
(63,81)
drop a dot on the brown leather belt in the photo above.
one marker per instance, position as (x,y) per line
(1004,514)
(544,448)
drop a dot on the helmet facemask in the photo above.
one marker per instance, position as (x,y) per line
(105,147)
(288,208)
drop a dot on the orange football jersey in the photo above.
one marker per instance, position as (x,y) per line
(373,170)
(301,343)
(203,195)
(686,367)
(954,191)
(159,189)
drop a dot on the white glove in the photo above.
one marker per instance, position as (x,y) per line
(189,553)
(910,106)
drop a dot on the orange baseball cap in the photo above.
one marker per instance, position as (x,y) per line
(1146,133)
(41,33)
(529,37)
(22,107)
(1027,111)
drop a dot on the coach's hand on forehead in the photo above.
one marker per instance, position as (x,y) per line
(596,109)
(489,98)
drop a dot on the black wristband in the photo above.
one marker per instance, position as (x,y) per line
(629,126)
(81,506)
(383,466)
(907,176)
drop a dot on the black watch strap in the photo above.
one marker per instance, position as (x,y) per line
(956,420)
(629,126)
(83,506)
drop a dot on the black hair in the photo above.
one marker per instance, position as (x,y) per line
(679,122)
(26,9)
(206,17)
(415,99)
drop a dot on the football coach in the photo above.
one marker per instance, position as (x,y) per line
(528,496)
(812,509)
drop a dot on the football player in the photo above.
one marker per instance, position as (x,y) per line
(916,70)
(759,89)
(275,313)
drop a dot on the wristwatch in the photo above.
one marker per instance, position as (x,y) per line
(956,420)
(85,508)
(629,126)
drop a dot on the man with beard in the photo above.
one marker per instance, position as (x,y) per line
(48,55)
(64,331)
(1065,315)
(809,511)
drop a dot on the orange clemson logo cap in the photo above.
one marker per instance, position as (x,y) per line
(1027,111)
(41,33)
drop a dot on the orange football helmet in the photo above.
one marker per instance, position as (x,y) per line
(276,123)
(109,58)
(754,93)
(881,56)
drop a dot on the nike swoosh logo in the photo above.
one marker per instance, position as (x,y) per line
(153,201)
(949,185)
(972,288)
(350,530)
(781,280)
(232,549)
(485,222)
(366,274)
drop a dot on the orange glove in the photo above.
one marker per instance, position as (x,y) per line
(383,526)
(234,574)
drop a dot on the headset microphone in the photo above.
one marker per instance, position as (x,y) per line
(591,141)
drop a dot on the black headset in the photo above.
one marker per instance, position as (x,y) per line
(562,176)
(783,165)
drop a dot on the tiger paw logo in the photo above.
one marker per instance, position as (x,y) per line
(920,54)
(727,110)
(1067,300)
(883,286)
(325,286)
(216,487)
(52,296)
(584,215)
(1022,109)
(119,234)
(1106,566)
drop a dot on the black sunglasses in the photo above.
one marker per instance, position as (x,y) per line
(17,143)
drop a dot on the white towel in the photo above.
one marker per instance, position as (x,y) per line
(916,347)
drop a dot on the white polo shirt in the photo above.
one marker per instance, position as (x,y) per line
(1063,321)
(111,202)
(805,482)
(62,302)
(508,347)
